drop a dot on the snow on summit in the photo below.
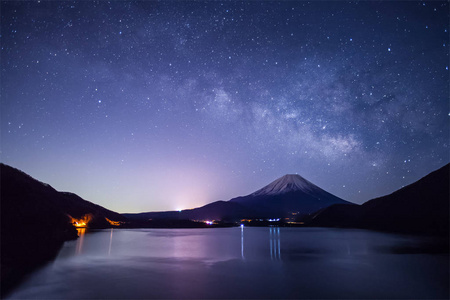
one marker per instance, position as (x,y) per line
(287,183)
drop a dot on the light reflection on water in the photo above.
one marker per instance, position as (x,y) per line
(80,240)
(240,262)
(110,241)
(275,247)
(242,242)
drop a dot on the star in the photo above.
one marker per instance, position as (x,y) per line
(223,97)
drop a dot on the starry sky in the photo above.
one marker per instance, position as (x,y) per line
(165,105)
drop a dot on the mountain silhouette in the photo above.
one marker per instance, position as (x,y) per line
(29,200)
(36,220)
(287,195)
(419,208)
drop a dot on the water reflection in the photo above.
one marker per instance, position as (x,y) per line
(275,244)
(110,241)
(242,242)
(80,240)
(210,263)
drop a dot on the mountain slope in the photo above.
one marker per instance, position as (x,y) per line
(35,222)
(285,184)
(286,195)
(281,198)
(421,207)
(25,198)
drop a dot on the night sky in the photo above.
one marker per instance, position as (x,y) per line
(146,106)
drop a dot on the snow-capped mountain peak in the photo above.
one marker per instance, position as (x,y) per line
(285,184)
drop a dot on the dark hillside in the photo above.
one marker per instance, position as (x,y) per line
(35,222)
(419,208)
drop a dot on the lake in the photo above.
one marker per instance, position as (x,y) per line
(250,262)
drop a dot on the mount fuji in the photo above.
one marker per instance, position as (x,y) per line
(285,184)
(286,196)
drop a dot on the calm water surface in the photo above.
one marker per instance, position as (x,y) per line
(240,263)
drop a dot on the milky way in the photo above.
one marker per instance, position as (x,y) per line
(142,106)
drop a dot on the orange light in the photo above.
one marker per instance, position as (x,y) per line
(113,223)
(246,220)
(81,223)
